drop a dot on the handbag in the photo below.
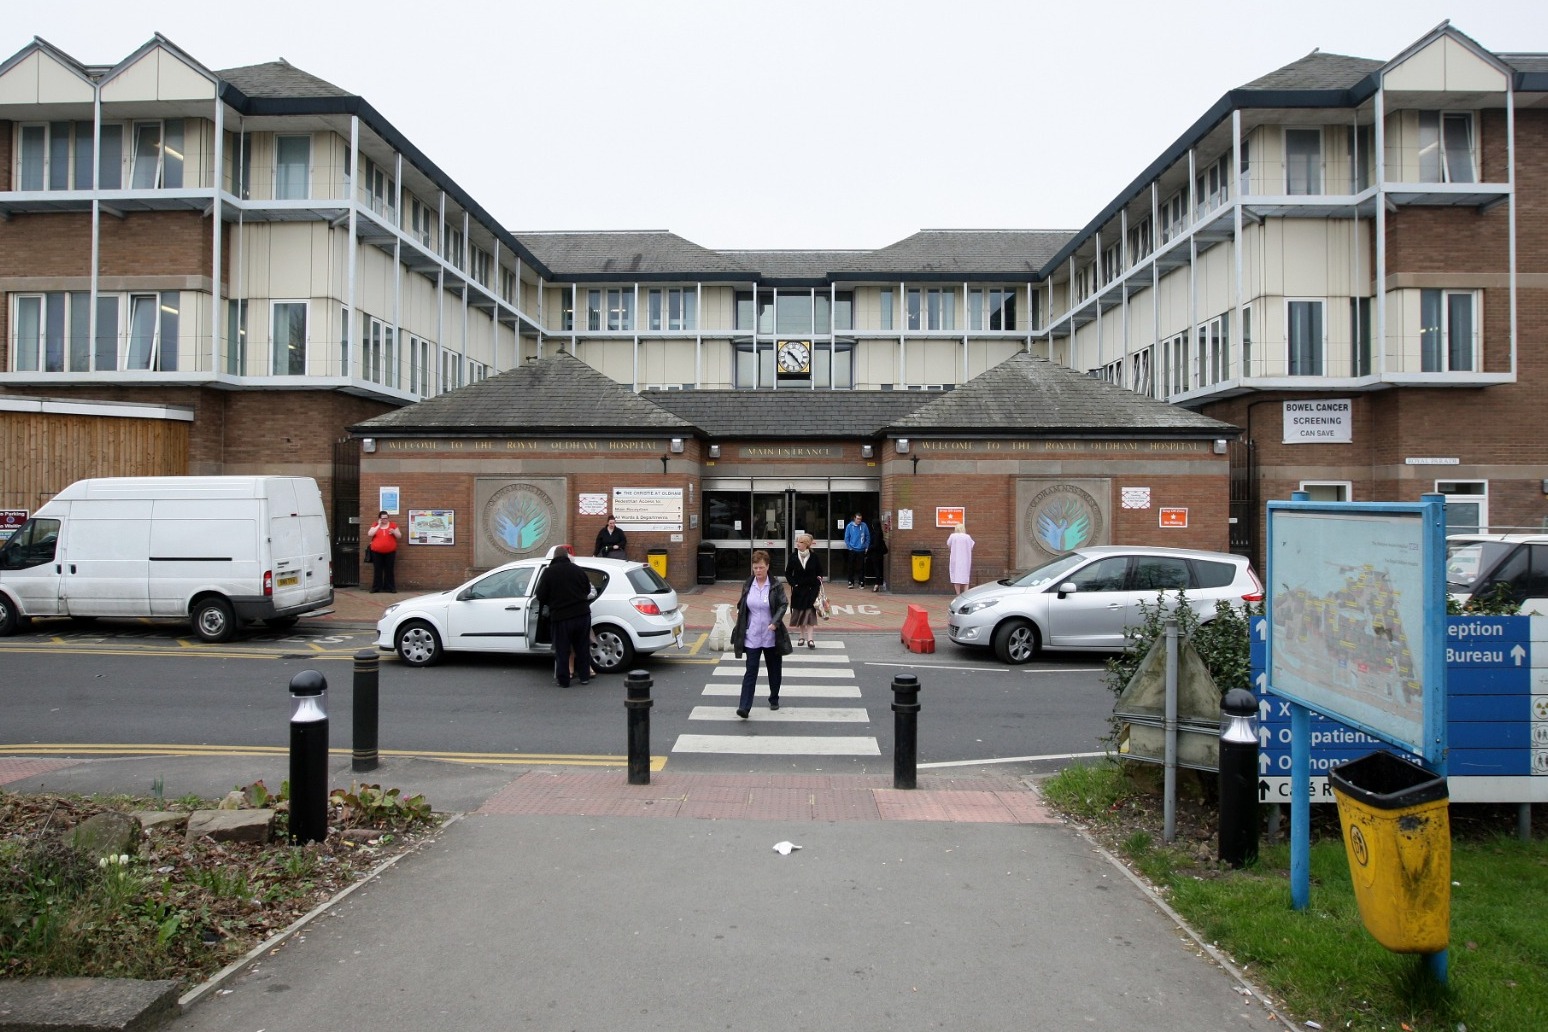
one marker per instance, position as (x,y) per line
(824,610)
(782,639)
(368,559)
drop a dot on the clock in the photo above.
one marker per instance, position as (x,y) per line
(794,358)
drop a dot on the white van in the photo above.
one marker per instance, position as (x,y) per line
(1513,567)
(213,550)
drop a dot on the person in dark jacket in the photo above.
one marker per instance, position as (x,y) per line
(804,574)
(612,543)
(877,556)
(759,613)
(566,591)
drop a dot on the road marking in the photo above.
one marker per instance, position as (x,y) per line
(795,670)
(776,745)
(800,655)
(826,714)
(790,691)
(153,749)
(1016,759)
(987,669)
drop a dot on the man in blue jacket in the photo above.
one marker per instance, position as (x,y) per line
(857,541)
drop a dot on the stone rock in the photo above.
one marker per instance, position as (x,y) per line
(234,800)
(106,834)
(254,826)
(87,1003)
(161,820)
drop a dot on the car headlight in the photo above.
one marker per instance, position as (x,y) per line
(388,611)
(973,607)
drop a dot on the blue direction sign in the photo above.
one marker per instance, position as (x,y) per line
(1497,709)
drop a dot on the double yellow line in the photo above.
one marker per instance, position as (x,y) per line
(75,749)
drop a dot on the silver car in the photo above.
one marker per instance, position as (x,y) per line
(1085,599)
(633,611)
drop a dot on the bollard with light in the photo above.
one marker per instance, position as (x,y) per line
(364,755)
(1239,778)
(308,757)
(905,730)
(638,703)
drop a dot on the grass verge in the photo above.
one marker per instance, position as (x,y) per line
(1321,962)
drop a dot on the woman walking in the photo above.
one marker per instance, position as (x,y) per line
(805,576)
(757,631)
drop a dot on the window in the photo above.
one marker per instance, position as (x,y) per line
(422,219)
(1140,376)
(1246,340)
(152,342)
(110,158)
(1215,350)
(378,353)
(480,264)
(236,337)
(1212,188)
(157,155)
(610,310)
(833,365)
(451,370)
(1445,147)
(54,156)
(567,311)
(508,285)
(884,303)
(292,166)
(991,309)
(419,366)
(1303,161)
(1327,490)
(1140,240)
(452,244)
(1174,216)
(289,355)
(1103,575)
(1112,262)
(239,164)
(672,308)
(1467,505)
(1360,336)
(1305,337)
(931,309)
(377,190)
(1361,144)
(1447,337)
(1174,355)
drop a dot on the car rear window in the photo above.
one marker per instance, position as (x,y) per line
(1212,574)
(646,581)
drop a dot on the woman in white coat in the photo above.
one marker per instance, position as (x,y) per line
(960,565)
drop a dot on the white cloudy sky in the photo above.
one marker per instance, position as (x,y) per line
(788,124)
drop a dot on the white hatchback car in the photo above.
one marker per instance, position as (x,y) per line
(633,611)
(1085,599)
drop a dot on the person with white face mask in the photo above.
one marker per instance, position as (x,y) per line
(805,575)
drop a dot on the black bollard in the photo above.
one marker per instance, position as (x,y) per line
(308,757)
(1239,779)
(905,730)
(367,687)
(637,701)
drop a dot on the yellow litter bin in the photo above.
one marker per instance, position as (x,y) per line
(1397,833)
(921,557)
(657,558)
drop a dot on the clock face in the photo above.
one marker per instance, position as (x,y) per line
(795,357)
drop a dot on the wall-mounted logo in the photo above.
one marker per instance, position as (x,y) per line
(519,519)
(1061,518)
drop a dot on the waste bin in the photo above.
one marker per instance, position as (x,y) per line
(706,563)
(921,557)
(1397,833)
(657,558)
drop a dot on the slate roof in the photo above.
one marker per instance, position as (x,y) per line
(1033,394)
(1020,253)
(1317,71)
(558,393)
(635,253)
(562,394)
(279,79)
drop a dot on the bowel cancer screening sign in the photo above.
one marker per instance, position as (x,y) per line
(1356,613)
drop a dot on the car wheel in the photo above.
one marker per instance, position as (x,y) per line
(212,620)
(1016,642)
(611,649)
(418,644)
(282,623)
(8,618)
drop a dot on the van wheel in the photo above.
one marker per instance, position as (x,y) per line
(212,620)
(8,618)
(418,644)
(1016,642)
(611,649)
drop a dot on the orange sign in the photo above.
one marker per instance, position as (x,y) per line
(1174,517)
(950,515)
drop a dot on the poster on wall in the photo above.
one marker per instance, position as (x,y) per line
(950,515)
(905,519)
(432,526)
(11,521)
(591,503)
(388,499)
(648,508)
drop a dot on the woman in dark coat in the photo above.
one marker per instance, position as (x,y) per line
(805,575)
(878,555)
(612,543)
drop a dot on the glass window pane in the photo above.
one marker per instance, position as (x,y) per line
(107,332)
(1305,338)
(793,313)
(653,310)
(59,156)
(142,331)
(33,143)
(290,338)
(83,155)
(885,300)
(1459,148)
(110,163)
(53,334)
(170,302)
(1303,161)
(147,156)
(80,332)
(1459,331)
(292,156)
(29,332)
(1429,147)
(1430,331)
(172,154)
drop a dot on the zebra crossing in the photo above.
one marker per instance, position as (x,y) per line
(812,683)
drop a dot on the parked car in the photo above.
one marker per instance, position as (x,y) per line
(633,611)
(1484,566)
(1086,598)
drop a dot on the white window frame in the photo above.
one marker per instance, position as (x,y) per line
(1321,344)
(1479,497)
(1343,490)
(1317,168)
(285,187)
(1437,147)
(274,356)
(1444,358)
(671,310)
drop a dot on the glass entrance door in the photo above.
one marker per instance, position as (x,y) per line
(740,515)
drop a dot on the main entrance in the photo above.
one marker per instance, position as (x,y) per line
(740,514)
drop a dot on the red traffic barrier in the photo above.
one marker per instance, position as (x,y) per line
(916,630)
